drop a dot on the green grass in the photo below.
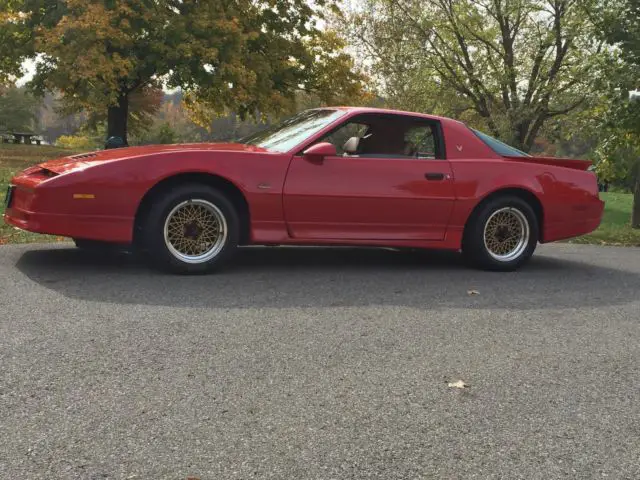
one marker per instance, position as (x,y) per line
(14,158)
(19,157)
(614,230)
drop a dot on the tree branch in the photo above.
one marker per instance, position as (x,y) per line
(452,77)
(564,111)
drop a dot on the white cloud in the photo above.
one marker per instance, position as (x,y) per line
(29,68)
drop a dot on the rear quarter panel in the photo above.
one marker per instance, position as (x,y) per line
(569,198)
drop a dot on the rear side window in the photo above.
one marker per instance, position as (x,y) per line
(421,139)
(499,147)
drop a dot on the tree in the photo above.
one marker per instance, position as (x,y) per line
(242,55)
(14,42)
(509,66)
(17,110)
(619,149)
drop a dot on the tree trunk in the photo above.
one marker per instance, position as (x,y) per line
(635,209)
(117,119)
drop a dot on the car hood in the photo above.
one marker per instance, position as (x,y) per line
(85,160)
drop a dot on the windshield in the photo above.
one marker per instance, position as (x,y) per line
(293,131)
(499,147)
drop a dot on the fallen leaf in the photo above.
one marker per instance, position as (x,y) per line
(473,292)
(458,384)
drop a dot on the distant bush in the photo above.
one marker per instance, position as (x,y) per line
(159,133)
(166,134)
(620,188)
(76,142)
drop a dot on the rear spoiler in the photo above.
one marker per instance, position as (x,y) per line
(559,162)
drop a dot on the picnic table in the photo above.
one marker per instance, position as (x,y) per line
(21,137)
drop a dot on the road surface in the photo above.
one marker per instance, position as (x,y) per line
(320,364)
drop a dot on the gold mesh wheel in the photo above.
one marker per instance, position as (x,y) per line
(195,231)
(506,234)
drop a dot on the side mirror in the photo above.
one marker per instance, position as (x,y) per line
(317,152)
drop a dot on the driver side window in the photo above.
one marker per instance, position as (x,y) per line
(387,136)
(339,138)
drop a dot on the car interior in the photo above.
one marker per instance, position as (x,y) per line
(383,137)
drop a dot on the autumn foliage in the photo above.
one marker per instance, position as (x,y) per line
(247,56)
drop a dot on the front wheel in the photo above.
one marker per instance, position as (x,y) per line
(191,229)
(502,235)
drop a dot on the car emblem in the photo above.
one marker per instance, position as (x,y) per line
(459,147)
(264,186)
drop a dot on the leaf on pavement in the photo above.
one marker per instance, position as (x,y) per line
(458,384)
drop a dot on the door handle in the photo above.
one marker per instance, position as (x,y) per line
(434,176)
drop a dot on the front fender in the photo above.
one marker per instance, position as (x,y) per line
(124,182)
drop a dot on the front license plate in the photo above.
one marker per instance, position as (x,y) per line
(7,200)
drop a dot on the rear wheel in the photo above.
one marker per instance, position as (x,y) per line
(191,228)
(502,235)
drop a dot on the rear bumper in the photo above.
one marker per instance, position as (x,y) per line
(91,227)
(584,220)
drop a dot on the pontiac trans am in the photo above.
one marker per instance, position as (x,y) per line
(328,176)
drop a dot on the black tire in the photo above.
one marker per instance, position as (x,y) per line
(159,252)
(474,247)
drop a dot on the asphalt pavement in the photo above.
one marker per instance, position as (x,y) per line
(320,363)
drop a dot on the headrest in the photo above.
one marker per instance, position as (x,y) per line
(351,145)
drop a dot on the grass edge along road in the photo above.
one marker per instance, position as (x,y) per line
(614,230)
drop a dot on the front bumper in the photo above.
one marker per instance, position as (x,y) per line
(91,227)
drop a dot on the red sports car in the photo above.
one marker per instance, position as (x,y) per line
(328,176)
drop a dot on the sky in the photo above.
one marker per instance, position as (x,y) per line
(29,67)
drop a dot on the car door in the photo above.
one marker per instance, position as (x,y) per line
(383,190)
